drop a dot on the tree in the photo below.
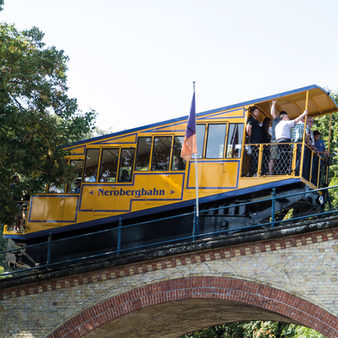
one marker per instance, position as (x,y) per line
(322,124)
(255,329)
(37,118)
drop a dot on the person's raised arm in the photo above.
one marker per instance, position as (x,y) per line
(296,120)
(273,109)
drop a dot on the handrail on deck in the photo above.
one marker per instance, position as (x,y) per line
(193,236)
(292,159)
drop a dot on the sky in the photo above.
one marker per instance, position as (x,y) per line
(134,61)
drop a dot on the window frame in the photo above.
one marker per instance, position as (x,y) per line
(85,165)
(225,125)
(172,154)
(132,166)
(70,183)
(202,155)
(240,139)
(150,153)
(100,163)
(153,148)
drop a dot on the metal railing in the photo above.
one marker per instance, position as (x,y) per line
(195,233)
(285,159)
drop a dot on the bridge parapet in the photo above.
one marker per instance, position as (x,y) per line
(290,278)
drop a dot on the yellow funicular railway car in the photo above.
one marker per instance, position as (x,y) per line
(138,175)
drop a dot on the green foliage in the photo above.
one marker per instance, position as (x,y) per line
(322,124)
(36,116)
(255,329)
(292,330)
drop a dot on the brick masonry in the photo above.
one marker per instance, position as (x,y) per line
(295,277)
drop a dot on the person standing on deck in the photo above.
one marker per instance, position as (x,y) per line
(283,135)
(297,134)
(274,149)
(255,135)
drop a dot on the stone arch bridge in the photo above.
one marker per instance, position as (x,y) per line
(287,274)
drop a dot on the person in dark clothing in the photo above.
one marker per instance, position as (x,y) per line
(266,147)
(255,135)
(319,144)
(253,128)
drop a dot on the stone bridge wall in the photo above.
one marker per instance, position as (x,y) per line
(291,279)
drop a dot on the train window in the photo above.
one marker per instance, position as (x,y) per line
(178,163)
(200,132)
(109,162)
(92,160)
(234,144)
(75,185)
(161,153)
(216,140)
(143,153)
(126,165)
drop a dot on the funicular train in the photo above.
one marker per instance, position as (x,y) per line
(138,175)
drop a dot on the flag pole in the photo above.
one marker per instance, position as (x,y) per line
(189,147)
(196,169)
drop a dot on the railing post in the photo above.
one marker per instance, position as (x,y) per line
(119,236)
(259,160)
(311,165)
(294,160)
(273,208)
(49,248)
(197,224)
(195,228)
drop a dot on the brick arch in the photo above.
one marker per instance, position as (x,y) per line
(231,290)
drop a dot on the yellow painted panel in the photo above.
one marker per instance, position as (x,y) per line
(70,206)
(46,208)
(214,174)
(169,128)
(233,113)
(117,140)
(89,191)
(78,151)
(118,198)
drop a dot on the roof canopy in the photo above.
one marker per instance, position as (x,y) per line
(293,102)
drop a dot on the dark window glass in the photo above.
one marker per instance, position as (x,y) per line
(126,165)
(235,137)
(92,160)
(143,153)
(109,162)
(216,140)
(75,185)
(161,153)
(178,163)
(200,132)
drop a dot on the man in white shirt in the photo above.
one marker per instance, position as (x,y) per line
(283,128)
(283,135)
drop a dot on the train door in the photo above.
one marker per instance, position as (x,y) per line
(72,195)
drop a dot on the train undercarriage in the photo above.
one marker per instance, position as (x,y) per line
(223,217)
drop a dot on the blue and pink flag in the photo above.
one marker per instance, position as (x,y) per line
(189,143)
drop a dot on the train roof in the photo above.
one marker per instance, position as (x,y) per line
(293,102)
